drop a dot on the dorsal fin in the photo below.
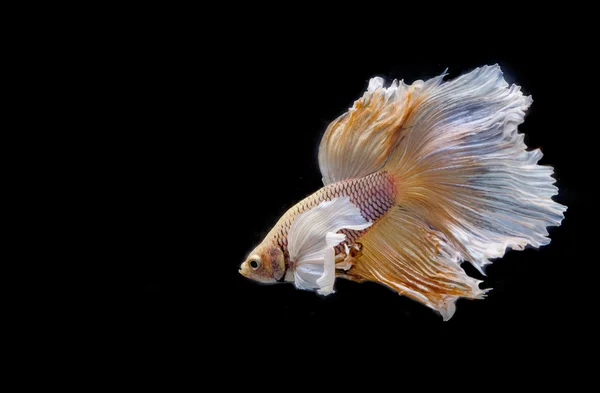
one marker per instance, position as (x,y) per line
(360,141)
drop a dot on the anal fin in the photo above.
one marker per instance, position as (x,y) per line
(409,256)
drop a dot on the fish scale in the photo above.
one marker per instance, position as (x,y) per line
(374,195)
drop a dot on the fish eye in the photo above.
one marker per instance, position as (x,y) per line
(254,264)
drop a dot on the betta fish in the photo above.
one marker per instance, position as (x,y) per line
(417,179)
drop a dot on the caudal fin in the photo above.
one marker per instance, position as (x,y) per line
(463,168)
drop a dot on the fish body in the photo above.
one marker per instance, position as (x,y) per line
(416,179)
(373,195)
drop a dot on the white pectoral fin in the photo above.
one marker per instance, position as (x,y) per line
(312,238)
(319,273)
(307,275)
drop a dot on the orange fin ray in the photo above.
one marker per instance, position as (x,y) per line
(408,256)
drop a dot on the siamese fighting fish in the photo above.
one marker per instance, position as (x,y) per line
(417,179)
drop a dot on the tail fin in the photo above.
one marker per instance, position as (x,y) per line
(464,169)
(467,188)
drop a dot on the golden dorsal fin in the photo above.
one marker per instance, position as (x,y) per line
(360,141)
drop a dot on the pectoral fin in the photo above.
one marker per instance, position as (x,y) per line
(312,238)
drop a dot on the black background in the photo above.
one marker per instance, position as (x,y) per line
(208,148)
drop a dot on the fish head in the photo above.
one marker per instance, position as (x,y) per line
(265,264)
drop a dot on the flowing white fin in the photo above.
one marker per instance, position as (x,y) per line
(463,168)
(312,238)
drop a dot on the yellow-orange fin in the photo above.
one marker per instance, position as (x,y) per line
(360,141)
(407,255)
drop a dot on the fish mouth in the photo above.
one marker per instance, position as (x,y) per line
(243,273)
